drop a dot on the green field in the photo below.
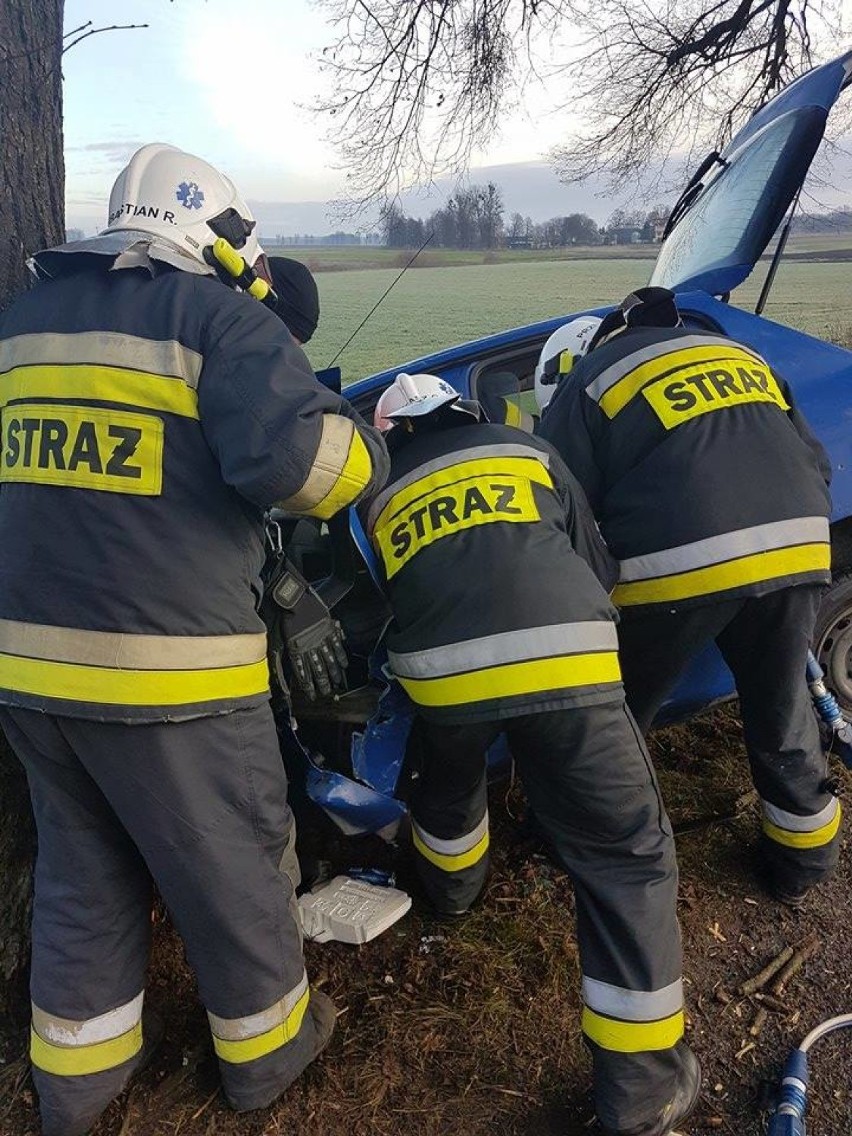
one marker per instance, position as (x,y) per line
(432,308)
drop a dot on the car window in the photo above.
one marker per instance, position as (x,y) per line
(741,208)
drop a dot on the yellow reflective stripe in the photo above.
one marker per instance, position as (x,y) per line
(251,1048)
(77,683)
(632,1037)
(100,384)
(815,839)
(626,389)
(353,480)
(530,468)
(79,1060)
(720,577)
(515,679)
(341,470)
(451,863)
(513,413)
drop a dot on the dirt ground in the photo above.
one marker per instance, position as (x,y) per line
(473,1028)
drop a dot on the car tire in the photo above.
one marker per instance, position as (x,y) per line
(833,638)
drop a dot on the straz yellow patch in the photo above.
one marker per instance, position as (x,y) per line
(697,390)
(83,448)
(450,509)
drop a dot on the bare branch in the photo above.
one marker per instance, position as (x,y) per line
(418,84)
(97,31)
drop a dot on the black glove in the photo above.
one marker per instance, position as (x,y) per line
(310,637)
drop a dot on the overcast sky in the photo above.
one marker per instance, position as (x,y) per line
(169,83)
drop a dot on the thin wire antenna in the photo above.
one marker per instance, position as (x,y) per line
(381,299)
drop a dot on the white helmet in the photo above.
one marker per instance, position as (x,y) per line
(415,396)
(559,354)
(183,200)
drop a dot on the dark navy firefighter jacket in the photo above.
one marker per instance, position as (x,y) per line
(704,477)
(149,417)
(490,555)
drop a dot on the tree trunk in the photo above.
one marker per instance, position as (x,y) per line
(32,213)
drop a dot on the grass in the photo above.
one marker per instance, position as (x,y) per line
(472,1028)
(437,307)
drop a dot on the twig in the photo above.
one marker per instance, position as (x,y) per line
(759,1022)
(809,947)
(773,1003)
(745,1049)
(97,31)
(199,1111)
(716,818)
(762,977)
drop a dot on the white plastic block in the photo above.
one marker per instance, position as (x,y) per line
(351,911)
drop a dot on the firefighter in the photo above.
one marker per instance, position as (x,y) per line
(567,345)
(500,625)
(150,415)
(712,492)
(501,390)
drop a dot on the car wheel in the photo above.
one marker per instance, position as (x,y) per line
(833,638)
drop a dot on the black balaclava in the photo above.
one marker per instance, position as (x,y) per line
(298,299)
(644,307)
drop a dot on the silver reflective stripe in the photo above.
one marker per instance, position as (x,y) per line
(475,453)
(557,639)
(253,1025)
(728,546)
(455,847)
(329,463)
(69,1033)
(613,374)
(632,1005)
(129,652)
(164,357)
(792,822)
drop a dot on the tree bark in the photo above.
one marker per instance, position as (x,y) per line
(32,213)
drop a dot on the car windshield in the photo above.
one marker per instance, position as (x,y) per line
(736,215)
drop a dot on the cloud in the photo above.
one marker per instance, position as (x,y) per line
(115,151)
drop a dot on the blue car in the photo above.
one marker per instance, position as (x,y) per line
(353,765)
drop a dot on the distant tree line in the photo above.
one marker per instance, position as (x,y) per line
(835,221)
(473,218)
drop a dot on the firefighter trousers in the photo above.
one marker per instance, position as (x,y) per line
(200,806)
(591,785)
(764,640)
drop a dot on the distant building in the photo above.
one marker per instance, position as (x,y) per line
(652,231)
(625,235)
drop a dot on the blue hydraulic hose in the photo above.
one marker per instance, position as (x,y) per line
(827,708)
(789,1116)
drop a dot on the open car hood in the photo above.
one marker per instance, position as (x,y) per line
(734,213)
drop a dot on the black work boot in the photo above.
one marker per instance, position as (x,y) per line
(258,1083)
(93,1092)
(789,894)
(678,1109)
